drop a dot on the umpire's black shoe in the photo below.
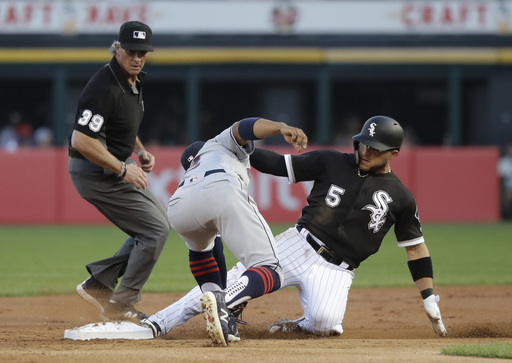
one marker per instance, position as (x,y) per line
(94,292)
(218,320)
(115,311)
(155,328)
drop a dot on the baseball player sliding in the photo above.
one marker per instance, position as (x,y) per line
(355,200)
(213,198)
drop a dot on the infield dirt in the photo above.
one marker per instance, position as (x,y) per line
(381,325)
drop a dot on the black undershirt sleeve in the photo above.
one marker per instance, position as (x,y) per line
(268,162)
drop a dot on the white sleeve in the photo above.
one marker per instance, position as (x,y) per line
(411,242)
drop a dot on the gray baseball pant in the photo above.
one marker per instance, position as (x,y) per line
(138,213)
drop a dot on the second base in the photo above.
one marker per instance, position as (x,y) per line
(109,330)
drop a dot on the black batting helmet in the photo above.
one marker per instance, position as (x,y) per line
(381,133)
(190,153)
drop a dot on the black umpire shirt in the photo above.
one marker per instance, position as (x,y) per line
(111,109)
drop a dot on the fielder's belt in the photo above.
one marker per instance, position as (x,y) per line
(323,250)
(209,172)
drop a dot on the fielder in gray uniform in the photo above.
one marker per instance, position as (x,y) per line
(354,202)
(110,110)
(213,198)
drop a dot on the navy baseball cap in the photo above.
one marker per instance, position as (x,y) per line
(134,35)
(190,153)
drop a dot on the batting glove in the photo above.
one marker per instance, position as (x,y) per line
(434,314)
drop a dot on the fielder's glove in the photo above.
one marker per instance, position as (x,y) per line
(434,314)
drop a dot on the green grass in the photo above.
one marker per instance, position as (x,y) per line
(492,350)
(462,254)
(50,260)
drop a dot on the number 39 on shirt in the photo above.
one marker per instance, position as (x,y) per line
(94,121)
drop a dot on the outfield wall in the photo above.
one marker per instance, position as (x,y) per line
(450,185)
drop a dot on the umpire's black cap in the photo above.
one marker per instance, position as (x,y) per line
(190,153)
(134,35)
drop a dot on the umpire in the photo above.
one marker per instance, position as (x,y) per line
(110,110)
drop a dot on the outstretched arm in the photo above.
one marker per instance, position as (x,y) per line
(260,128)
(420,265)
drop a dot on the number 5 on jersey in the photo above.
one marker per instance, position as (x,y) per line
(333,197)
(94,121)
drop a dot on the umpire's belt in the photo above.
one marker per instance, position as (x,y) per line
(206,173)
(323,251)
(75,154)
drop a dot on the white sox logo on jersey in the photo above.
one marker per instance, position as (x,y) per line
(379,210)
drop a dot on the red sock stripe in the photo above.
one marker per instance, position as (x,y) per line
(267,282)
(266,276)
(199,273)
(214,263)
(203,267)
(262,275)
(198,262)
(270,279)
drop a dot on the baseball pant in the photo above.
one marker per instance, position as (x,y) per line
(323,288)
(218,203)
(138,213)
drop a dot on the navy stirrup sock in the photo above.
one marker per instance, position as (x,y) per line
(205,270)
(218,254)
(253,283)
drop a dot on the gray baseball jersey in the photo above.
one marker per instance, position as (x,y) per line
(213,197)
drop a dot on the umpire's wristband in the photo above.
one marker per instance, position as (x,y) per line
(122,173)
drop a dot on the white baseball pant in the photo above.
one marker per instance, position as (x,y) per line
(323,288)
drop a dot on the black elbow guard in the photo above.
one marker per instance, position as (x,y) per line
(422,267)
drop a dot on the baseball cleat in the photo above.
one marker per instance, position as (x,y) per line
(94,292)
(235,315)
(237,312)
(155,328)
(218,319)
(118,311)
(233,334)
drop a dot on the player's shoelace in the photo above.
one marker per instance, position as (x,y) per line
(237,313)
